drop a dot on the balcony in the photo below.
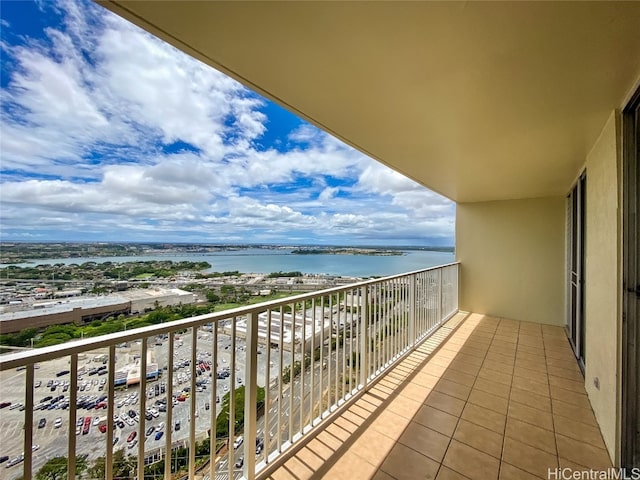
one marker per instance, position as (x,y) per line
(292,365)
(440,393)
(483,398)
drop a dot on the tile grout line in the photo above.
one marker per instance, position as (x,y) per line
(553,420)
(460,417)
(506,419)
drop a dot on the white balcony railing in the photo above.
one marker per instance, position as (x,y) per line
(300,359)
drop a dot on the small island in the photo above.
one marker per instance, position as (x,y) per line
(345,251)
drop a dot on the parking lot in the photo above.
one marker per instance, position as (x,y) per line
(51,423)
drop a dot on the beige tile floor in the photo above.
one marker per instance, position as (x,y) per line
(483,398)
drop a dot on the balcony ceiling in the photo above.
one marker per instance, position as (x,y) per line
(477,101)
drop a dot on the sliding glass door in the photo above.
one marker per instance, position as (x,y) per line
(576,268)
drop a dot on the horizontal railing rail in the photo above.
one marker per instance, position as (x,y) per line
(221,393)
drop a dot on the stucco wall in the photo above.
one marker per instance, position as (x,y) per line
(512,258)
(602,281)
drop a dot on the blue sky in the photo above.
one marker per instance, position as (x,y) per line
(108,134)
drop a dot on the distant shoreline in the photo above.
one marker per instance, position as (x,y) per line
(12,253)
(345,251)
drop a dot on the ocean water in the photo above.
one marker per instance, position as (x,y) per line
(261,260)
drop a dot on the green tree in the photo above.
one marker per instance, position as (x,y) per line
(222,422)
(212,297)
(123,466)
(227,290)
(56,468)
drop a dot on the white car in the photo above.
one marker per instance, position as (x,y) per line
(160,427)
(96,421)
(15,461)
(237,442)
(57,423)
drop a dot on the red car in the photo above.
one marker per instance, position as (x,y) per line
(102,428)
(86,426)
(132,436)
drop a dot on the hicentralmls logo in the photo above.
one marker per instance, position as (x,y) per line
(608,474)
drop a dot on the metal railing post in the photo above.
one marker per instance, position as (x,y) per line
(73,413)
(440,296)
(364,336)
(169,425)
(412,311)
(108,464)
(251,397)
(194,405)
(28,424)
(143,405)
(457,293)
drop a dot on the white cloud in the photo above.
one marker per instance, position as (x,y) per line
(328,193)
(94,121)
(304,134)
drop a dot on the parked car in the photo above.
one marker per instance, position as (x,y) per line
(150,430)
(237,442)
(159,435)
(42,423)
(240,462)
(15,461)
(57,423)
(86,426)
(132,436)
(4,458)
